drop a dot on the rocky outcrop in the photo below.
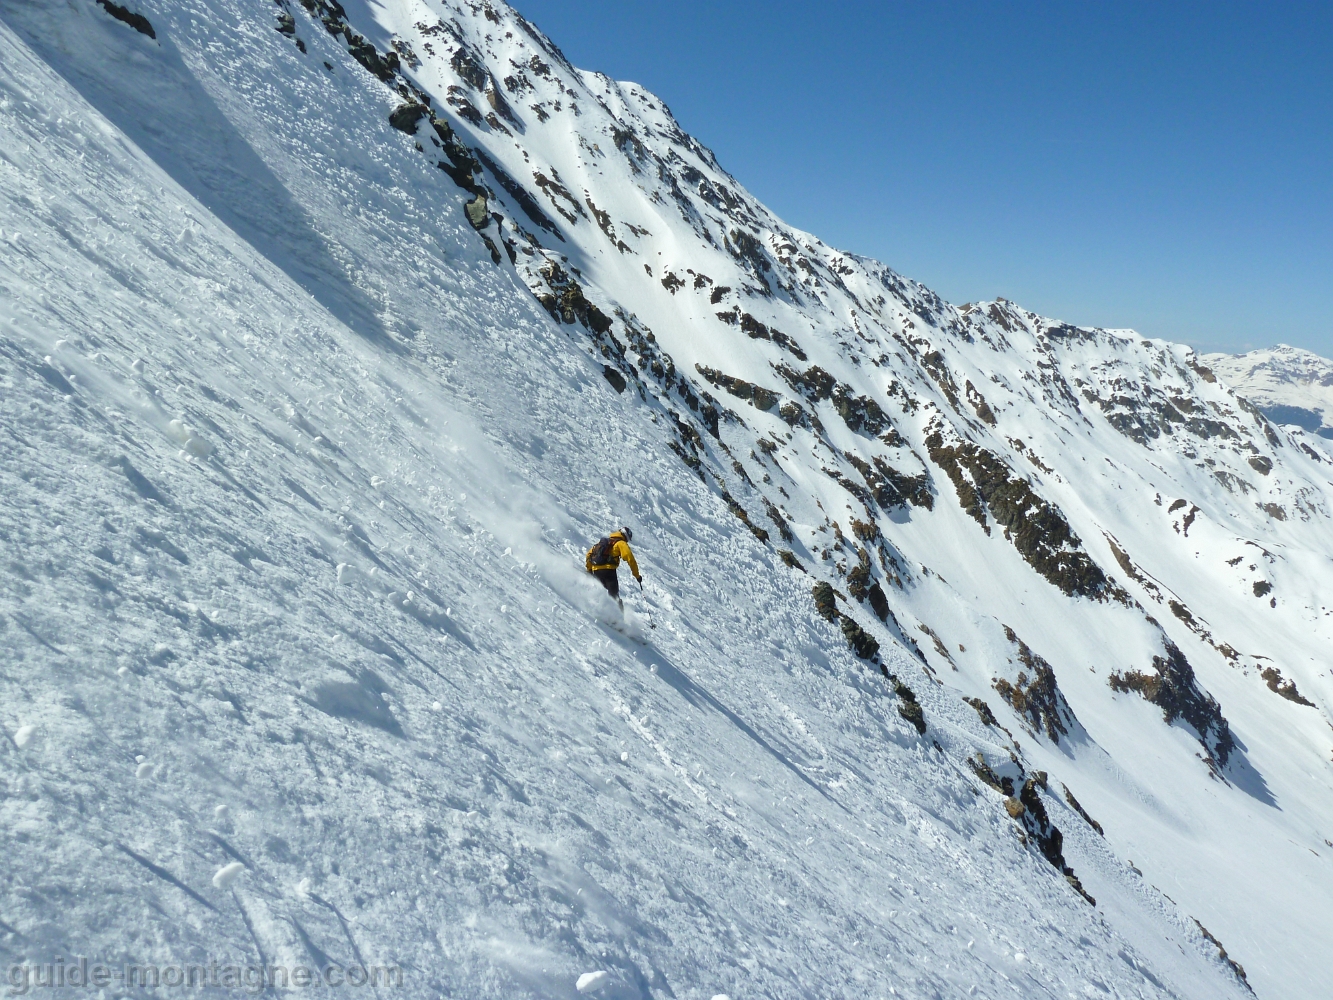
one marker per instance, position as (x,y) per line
(1173,688)
(566,302)
(1037,529)
(135,20)
(892,488)
(862,643)
(756,395)
(1036,697)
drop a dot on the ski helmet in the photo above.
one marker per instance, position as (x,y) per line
(629,535)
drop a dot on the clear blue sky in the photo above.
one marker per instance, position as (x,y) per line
(1166,166)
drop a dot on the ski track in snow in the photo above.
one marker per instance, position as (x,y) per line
(303,663)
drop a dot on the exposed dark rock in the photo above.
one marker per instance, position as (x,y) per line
(717,294)
(814,384)
(825,602)
(1048,836)
(855,489)
(862,643)
(1001,783)
(891,488)
(406,116)
(1037,529)
(520,194)
(1261,465)
(603,220)
(1073,804)
(779,521)
(490,246)
(1236,967)
(1175,691)
(983,710)
(464,164)
(979,404)
(859,412)
(1037,697)
(795,416)
(878,602)
(470,69)
(382,66)
(859,578)
(1262,588)
(614,377)
(757,395)
(1131,570)
(1287,689)
(496,99)
(742,515)
(1143,414)
(477,212)
(908,707)
(568,304)
(1202,371)
(752,328)
(136,21)
(745,248)
(938,369)
(465,108)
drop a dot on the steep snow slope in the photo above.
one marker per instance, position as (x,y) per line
(1290,385)
(299,480)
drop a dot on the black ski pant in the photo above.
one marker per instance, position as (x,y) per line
(609,579)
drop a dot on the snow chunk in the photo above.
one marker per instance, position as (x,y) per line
(590,982)
(193,443)
(227,874)
(24,735)
(144,770)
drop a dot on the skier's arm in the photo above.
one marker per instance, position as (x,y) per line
(623,550)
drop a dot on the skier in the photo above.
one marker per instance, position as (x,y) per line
(604,559)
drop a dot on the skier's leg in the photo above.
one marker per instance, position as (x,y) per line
(608,579)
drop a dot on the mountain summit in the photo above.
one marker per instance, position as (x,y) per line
(978,653)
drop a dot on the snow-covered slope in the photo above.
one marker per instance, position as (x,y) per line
(331,338)
(1290,385)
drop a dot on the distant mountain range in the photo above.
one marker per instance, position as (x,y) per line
(1290,385)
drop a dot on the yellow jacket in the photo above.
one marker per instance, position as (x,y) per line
(620,550)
